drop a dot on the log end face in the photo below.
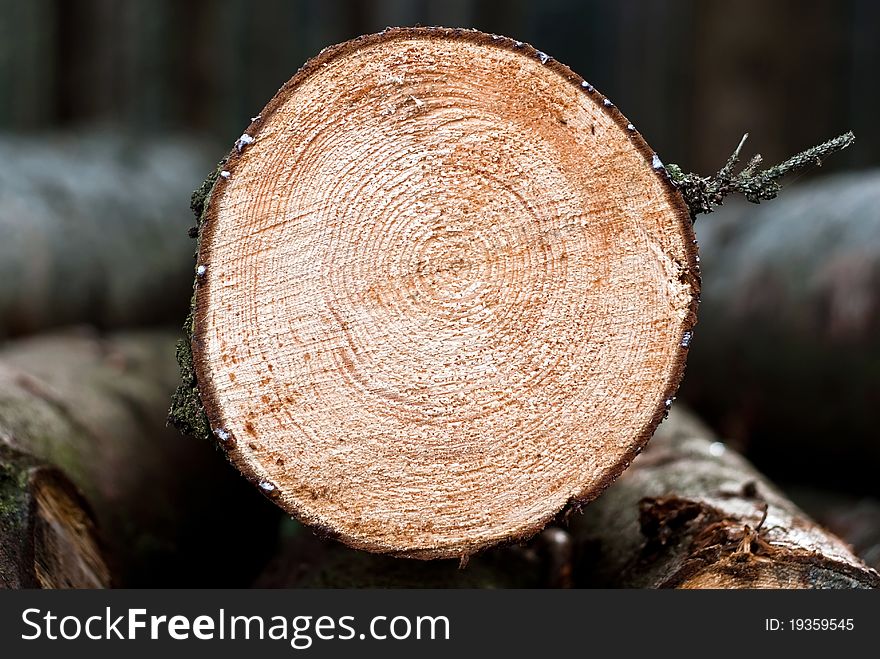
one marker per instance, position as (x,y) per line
(49,539)
(448,291)
(67,550)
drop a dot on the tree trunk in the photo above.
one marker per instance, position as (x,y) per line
(423,270)
(94,230)
(47,533)
(690,513)
(95,408)
(785,358)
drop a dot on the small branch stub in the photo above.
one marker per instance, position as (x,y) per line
(703,193)
(434,316)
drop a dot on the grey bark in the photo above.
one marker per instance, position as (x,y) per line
(856,520)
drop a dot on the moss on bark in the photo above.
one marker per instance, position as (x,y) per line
(186,413)
(14,508)
(13,477)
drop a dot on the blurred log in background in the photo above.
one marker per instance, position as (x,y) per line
(786,358)
(94,229)
(169,511)
(691,513)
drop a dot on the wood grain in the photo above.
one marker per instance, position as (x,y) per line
(445,291)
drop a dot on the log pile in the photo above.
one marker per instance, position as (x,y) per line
(691,513)
(94,230)
(444,293)
(48,537)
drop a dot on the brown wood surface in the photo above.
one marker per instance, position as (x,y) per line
(445,290)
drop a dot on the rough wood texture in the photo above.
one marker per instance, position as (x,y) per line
(445,290)
(786,356)
(47,533)
(690,513)
(94,230)
(95,407)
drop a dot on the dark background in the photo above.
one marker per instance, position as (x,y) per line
(692,76)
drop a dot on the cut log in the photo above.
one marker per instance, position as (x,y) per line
(786,357)
(445,289)
(95,408)
(691,513)
(47,533)
(94,230)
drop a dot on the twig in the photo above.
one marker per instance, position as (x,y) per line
(703,193)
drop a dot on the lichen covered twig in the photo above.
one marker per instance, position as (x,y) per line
(703,193)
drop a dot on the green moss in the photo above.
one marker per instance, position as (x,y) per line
(14,473)
(13,516)
(186,413)
(202,195)
(48,431)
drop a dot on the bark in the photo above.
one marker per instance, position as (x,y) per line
(47,532)
(94,407)
(418,284)
(690,513)
(785,358)
(94,230)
